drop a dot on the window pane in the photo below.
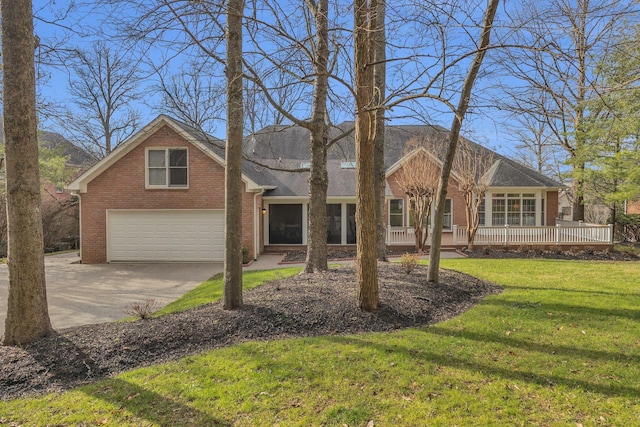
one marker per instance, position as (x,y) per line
(351,224)
(395,206)
(498,208)
(513,219)
(513,211)
(481,213)
(334,224)
(156,158)
(447,214)
(178,157)
(157,176)
(285,224)
(528,219)
(529,205)
(497,219)
(395,213)
(513,205)
(178,177)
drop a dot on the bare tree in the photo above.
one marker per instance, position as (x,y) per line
(104,84)
(454,134)
(471,168)
(232,294)
(365,133)
(27,310)
(194,96)
(318,179)
(418,179)
(302,58)
(555,75)
(380,82)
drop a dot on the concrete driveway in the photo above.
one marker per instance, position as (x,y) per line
(80,294)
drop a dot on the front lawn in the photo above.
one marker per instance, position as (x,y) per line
(561,346)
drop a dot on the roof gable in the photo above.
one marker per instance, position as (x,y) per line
(212,147)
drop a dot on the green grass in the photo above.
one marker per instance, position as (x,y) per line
(634,250)
(560,347)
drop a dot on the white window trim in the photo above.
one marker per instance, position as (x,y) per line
(403,214)
(450,228)
(146,168)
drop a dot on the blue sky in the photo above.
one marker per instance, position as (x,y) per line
(82,27)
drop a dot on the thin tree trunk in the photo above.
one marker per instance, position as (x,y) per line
(232,298)
(318,179)
(578,197)
(456,125)
(380,82)
(366,237)
(27,311)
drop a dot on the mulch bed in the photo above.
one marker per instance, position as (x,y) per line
(585,254)
(304,305)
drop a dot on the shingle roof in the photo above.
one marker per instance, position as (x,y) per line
(275,150)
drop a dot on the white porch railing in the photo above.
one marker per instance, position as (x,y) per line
(558,235)
(402,236)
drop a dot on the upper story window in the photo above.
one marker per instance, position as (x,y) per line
(167,168)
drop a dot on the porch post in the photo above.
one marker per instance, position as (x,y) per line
(558,232)
(506,234)
(611,237)
(455,234)
(538,209)
(488,209)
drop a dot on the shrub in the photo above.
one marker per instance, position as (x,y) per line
(246,256)
(409,262)
(142,309)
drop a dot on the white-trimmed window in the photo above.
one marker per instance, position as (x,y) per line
(448,214)
(514,209)
(396,212)
(167,168)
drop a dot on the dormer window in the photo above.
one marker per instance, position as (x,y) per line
(167,168)
(348,165)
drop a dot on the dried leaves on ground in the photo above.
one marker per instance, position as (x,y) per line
(303,305)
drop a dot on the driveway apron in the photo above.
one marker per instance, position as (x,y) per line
(80,294)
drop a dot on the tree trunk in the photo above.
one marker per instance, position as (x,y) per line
(578,196)
(461,110)
(366,237)
(318,179)
(232,298)
(27,312)
(380,82)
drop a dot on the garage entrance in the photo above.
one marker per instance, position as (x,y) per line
(165,235)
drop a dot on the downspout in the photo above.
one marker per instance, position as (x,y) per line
(257,215)
(77,196)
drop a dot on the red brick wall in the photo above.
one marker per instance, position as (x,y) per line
(122,186)
(633,207)
(551,208)
(459,216)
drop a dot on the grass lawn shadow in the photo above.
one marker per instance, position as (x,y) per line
(150,406)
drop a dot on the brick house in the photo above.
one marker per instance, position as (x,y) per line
(160,195)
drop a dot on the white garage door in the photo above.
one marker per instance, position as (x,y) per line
(165,235)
